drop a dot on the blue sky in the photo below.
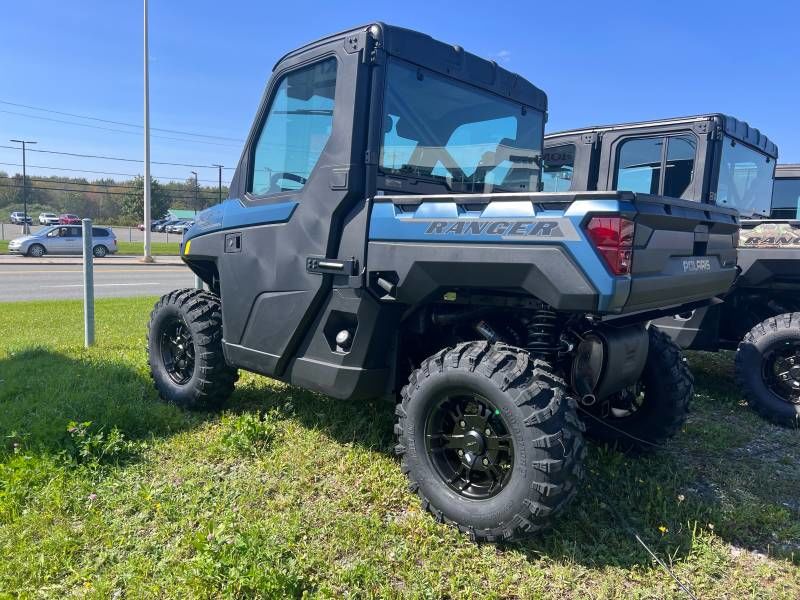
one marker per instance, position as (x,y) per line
(598,62)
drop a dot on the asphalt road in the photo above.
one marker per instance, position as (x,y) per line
(26,281)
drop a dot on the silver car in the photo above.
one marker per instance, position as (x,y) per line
(64,239)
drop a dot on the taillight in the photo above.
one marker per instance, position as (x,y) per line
(613,238)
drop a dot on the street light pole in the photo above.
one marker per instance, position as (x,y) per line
(25,228)
(195,190)
(147,257)
(219,167)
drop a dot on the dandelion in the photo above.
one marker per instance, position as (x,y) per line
(711,526)
(663,529)
(681,498)
(92,496)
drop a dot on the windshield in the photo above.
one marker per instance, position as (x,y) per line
(786,199)
(465,138)
(745,179)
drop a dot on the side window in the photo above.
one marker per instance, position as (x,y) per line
(639,165)
(786,199)
(296,129)
(559,163)
(99,232)
(74,232)
(680,165)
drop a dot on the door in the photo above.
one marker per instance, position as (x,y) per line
(299,175)
(58,241)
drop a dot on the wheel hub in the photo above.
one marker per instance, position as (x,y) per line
(474,443)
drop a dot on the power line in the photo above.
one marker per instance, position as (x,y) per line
(58,112)
(131,160)
(163,137)
(108,173)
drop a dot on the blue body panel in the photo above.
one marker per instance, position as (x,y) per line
(233,213)
(423,223)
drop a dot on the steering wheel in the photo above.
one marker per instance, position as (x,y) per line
(276,177)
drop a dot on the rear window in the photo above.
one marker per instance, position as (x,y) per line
(99,232)
(559,163)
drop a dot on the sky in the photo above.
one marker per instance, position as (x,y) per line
(599,63)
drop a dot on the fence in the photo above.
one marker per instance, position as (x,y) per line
(124,234)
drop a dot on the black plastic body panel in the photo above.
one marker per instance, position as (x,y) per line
(544,272)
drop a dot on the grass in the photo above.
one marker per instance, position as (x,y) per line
(289,493)
(156,248)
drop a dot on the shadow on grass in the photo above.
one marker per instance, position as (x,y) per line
(667,499)
(41,391)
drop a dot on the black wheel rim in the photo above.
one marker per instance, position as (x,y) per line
(177,351)
(781,370)
(469,445)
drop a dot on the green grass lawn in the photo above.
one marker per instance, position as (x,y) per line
(289,493)
(156,248)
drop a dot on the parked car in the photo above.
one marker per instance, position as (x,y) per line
(179,227)
(18,218)
(48,218)
(68,219)
(154,225)
(61,239)
(162,227)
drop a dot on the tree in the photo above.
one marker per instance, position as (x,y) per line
(132,203)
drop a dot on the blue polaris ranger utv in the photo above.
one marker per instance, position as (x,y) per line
(385,236)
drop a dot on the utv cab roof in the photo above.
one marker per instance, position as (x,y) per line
(450,60)
(731,126)
(787,171)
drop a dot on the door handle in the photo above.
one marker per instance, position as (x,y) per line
(322,265)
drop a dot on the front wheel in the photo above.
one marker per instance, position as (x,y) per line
(649,413)
(184,348)
(36,251)
(768,369)
(489,440)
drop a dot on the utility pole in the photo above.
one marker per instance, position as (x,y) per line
(220,180)
(147,256)
(25,227)
(195,190)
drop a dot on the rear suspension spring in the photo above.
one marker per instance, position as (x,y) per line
(542,334)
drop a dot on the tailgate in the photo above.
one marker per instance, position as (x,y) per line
(683,252)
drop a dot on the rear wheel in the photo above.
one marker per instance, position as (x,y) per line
(645,415)
(36,250)
(184,347)
(100,251)
(489,440)
(768,369)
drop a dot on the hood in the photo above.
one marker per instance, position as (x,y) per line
(24,238)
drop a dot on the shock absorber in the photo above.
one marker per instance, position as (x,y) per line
(542,334)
